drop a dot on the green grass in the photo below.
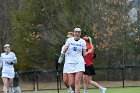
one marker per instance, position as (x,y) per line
(109,90)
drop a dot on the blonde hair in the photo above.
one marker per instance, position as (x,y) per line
(70,34)
(89,40)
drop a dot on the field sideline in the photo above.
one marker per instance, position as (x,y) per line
(109,90)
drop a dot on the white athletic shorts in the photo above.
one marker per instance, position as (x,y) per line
(8,74)
(74,67)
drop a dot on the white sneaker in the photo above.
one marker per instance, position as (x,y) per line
(102,90)
(69,91)
(11,90)
(72,91)
(85,91)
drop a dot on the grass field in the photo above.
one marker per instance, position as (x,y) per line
(109,90)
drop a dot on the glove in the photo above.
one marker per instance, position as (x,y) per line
(12,62)
(61,58)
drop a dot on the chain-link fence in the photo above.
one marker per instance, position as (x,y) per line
(122,76)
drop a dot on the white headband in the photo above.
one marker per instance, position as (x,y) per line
(77,29)
(6,45)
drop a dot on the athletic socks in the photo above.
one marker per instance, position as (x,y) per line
(70,90)
(85,91)
(102,89)
(10,89)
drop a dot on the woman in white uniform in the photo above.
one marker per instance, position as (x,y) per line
(74,59)
(8,60)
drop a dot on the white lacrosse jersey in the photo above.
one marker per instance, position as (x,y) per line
(74,52)
(7,58)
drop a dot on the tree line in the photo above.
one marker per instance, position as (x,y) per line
(37,30)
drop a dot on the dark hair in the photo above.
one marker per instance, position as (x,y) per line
(78,26)
(7,43)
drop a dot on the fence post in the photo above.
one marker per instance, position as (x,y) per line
(36,80)
(33,79)
(123,75)
(57,71)
(59,78)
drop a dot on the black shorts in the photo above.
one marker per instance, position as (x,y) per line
(89,70)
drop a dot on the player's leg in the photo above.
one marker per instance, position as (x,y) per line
(71,77)
(5,84)
(10,82)
(66,80)
(85,83)
(10,85)
(12,90)
(78,77)
(102,89)
(85,79)
(93,83)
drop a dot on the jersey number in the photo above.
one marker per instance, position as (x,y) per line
(74,48)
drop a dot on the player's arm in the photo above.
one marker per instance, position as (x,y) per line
(61,55)
(85,52)
(63,51)
(67,44)
(14,60)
